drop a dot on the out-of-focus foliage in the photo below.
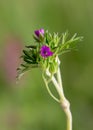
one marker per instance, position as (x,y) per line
(27,105)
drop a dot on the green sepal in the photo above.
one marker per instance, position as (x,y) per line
(53,67)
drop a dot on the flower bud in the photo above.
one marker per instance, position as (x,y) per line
(39,32)
(39,35)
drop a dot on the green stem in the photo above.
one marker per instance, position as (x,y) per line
(58,88)
(66,107)
(63,101)
(50,93)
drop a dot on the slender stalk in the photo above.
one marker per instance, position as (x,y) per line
(59,76)
(50,93)
(66,107)
(58,88)
(63,101)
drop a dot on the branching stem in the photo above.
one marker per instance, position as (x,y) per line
(63,101)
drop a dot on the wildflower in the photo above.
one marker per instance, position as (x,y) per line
(38,55)
(45,51)
(39,32)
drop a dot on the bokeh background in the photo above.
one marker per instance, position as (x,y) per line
(27,105)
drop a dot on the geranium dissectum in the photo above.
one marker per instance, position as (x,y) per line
(45,51)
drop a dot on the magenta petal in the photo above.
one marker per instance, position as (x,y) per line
(42,31)
(39,32)
(50,53)
(45,51)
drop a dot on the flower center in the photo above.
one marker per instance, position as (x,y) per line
(45,52)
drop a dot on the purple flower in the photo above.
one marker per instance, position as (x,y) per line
(45,51)
(39,32)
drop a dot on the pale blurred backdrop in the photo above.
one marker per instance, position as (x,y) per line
(27,105)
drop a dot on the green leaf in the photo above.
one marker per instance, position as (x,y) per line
(24,68)
(71,43)
(31,46)
(28,55)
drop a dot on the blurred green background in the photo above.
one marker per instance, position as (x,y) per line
(27,105)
